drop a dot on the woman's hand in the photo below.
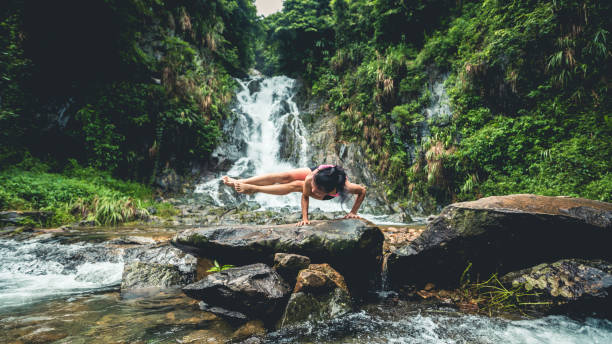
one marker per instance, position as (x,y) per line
(351,215)
(303,223)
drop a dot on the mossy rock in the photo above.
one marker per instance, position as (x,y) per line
(501,234)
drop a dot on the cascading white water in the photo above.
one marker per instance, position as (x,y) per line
(276,141)
(35,270)
(439,111)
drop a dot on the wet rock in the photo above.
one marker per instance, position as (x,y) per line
(23,218)
(253,328)
(132,240)
(222,312)
(138,275)
(320,294)
(169,181)
(319,278)
(255,290)
(503,234)
(255,85)
(291,139)
(574,285)
(352,246)
(152,266)
(288,265)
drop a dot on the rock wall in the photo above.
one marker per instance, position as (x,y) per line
(326,148)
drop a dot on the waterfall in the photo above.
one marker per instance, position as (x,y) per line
(264,135)
(438,113)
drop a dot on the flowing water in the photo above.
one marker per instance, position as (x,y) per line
(271,138)
(55,290)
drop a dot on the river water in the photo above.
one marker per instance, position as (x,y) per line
(67,291)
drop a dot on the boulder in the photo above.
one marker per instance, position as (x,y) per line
(319,278)
(138,275)
(570,285)
(320,294)
(157,266)
(352,246)
(288,265)
(24,218)
(503,234)
(254,290)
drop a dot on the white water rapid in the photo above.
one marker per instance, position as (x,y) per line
(35,270)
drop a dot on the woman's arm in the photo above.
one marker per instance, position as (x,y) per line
(305,200)
(358,190)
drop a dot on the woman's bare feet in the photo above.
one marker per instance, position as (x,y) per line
(244,188)
(229,181)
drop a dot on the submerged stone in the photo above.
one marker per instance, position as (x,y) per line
(503,234)
(352,246)
(305,306)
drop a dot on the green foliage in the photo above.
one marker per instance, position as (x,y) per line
(493,297)
(124,86)
(530,108)
(301,36)
(217,267)
(77,194)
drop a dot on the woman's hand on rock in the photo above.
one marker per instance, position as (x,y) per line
(352,216)
(303,223)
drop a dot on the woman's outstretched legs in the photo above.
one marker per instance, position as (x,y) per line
(276,189)
(270,178)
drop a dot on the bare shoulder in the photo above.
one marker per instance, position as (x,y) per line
(354,188)
(308,183)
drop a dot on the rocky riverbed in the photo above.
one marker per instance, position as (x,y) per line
(339,277)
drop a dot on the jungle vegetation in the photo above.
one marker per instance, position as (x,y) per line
(126,88)
(121,88)
(527,84)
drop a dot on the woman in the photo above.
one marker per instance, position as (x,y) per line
(324,182)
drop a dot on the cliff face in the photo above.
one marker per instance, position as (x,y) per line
(325,146)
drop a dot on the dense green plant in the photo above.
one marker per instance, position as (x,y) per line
(125,86)
(527,89)
(77,194)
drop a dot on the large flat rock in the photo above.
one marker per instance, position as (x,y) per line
(353,247)
(503,234)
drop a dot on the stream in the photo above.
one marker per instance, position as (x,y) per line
(65,289)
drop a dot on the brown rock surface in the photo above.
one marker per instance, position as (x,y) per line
(503,234)
(319,278)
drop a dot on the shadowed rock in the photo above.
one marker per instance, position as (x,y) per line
(351,246)
(255,290)
(288,265)
(503,234)
(574,285)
